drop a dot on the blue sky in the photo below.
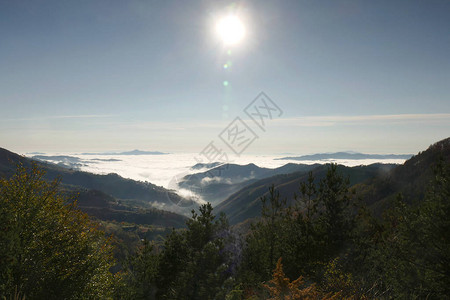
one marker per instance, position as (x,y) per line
(370,76)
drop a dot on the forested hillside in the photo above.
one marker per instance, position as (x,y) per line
(324,243)
(374,232)
(108,197)
(246,203)
(220,182)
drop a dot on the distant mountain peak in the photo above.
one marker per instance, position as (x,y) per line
(133,152)
(199,166)
(346,155)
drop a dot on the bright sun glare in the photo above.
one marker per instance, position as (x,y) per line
(230,30)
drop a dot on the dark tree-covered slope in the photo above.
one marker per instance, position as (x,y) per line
(246,203)
(410,179)
(377,185)
(107,197)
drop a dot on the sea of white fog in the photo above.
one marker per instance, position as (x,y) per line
(162,169)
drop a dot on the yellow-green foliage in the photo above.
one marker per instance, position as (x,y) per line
(336,280)
(48,248)
(281,288)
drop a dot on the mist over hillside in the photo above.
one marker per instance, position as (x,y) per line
(129,210)
(161,169)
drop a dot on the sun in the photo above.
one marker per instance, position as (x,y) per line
(231,30)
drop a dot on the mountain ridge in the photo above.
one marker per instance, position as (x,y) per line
(218,183)
(246,204)
(346,155)
(377,184)
(132,152)
(104,191)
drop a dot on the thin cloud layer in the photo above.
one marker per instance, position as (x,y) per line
(318,121)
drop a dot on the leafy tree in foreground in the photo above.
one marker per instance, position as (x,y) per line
(416,249)
(196,263)
(266,241)
(48,248)
(334,209)
(406,255)
(307,235)
(198,257)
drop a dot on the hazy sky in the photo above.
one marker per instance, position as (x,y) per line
(370,76)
